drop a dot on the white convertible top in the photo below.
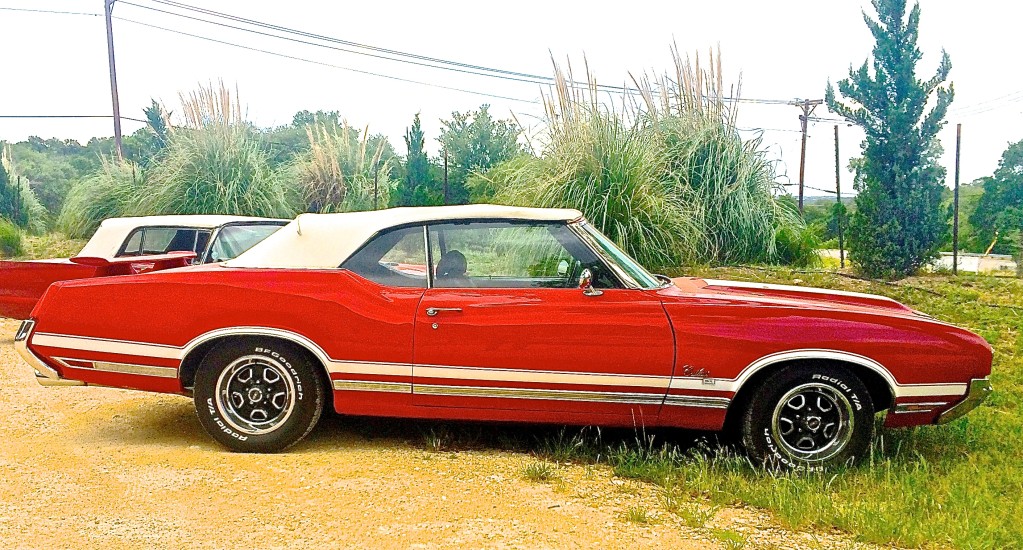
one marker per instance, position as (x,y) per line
(107,240)
(324,241)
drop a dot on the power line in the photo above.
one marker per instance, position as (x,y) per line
(421,60)
(75,116)
(60,12)
(322,63)
(529,80)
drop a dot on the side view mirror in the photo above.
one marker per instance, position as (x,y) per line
(586,283)
(563,268)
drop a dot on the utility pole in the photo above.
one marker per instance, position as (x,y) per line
(376,174)
(808,106)
(108,6)
(446,199)
(841,208)
(955,206)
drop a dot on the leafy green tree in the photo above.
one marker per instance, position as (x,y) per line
(1000,209)
(899,223)
(419,186)
(474,143)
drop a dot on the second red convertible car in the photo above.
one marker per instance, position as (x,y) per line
(123,246)
(503,314)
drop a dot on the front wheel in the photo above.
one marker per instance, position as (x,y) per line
(258,396)
(809,418)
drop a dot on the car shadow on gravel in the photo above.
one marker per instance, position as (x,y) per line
(170,421)
(556,442)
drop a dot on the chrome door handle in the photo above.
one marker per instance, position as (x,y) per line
(432,311)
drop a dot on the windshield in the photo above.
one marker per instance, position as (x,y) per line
(626,264)
(232,240)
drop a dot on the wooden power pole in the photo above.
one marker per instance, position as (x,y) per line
(446,198)
(841,209)
(955,205)
(108,6)
(808,105)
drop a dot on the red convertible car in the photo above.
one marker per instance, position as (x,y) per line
(125,246)
(497,313)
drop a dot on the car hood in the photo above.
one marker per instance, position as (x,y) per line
(794,296)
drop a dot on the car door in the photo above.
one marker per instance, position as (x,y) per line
(505,326)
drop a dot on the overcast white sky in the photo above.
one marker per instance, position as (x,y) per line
(56,64)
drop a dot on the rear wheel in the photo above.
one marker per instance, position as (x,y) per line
(258,396)
(809,418)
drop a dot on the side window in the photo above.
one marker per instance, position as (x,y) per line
(510,255)
(394,258)
(132,246)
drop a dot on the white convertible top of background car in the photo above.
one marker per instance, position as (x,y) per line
(107,240)
(324,241)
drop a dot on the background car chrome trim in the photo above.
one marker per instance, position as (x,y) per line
(103,345)
(526,393)
(360,385)
(980,389)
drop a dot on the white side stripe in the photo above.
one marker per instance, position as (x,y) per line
(161,351)
(106,346)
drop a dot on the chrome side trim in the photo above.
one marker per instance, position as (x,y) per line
(554,377)
(698,401)
(45,375)
(980,389)
(141,370)
(360,385)
(527,393)
(909,408)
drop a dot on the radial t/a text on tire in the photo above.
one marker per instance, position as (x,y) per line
(809,417)
(256,395)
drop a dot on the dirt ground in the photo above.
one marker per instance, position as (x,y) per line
(104,468)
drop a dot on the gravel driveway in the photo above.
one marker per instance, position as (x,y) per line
(104,468)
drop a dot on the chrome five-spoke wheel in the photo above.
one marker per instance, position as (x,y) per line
(813,421)
(808,416)
(256,394)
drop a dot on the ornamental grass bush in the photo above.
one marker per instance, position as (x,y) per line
(216,164)
(344,170)
(667,176)
(112,192)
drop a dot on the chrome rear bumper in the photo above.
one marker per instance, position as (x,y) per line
(45,375)
(978,391)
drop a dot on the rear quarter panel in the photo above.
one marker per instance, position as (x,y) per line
(348,317)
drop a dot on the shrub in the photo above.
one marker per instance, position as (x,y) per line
(216,164)
(671,181)
(110,193)
(10,239)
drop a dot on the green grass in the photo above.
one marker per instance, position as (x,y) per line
(954,485)
(540,471)
(50,245)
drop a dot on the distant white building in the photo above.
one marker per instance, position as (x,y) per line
(977,263)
